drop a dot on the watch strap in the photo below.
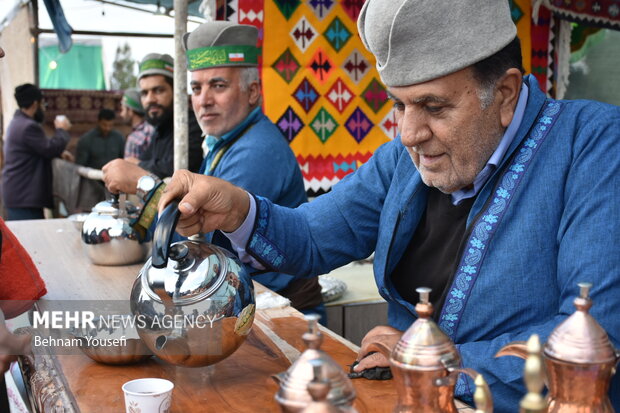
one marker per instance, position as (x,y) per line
(149,211)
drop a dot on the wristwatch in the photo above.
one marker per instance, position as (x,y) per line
(146,184)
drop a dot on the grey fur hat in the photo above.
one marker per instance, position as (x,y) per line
(418,40)
(221,43)
(156,64)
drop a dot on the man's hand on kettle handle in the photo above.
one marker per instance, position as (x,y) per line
(207,203)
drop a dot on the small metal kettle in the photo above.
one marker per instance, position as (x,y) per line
(193,301)
(293,395)
(579,360)
(107,235)
(425,365)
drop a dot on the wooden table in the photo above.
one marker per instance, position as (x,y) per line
(240,383)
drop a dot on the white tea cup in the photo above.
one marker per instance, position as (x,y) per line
(148,395)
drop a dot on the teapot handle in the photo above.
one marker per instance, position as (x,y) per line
(163,234)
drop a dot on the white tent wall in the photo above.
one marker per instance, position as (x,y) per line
(18,65)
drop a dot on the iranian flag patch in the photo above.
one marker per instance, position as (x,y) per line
(236,57)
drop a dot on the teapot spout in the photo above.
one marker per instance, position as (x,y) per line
(279,378)
(516,348)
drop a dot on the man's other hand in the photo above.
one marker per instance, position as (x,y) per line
(120,175)
(11,345)
(385,335)
(67,156)
(206,203)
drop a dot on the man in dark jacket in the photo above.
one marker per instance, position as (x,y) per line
(156,91)
(28,154)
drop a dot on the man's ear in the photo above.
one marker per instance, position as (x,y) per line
(254,93)
(509,88)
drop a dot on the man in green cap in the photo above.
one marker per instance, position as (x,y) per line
(155,82)
(243,146)
(141,133)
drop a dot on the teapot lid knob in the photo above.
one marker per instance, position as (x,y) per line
(584,289)
(425,293)
(178,252)
(424,308)
(313,337)
(583,302)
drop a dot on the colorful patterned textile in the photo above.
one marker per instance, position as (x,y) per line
(320,84)
(322,89)
(601,13)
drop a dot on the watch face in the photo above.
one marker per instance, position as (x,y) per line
(146,183)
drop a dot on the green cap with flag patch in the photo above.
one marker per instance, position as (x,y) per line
(156,64)
(221,43)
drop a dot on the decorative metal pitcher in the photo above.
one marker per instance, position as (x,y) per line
(579,359)
(293,395)
(194,301)
(425,365)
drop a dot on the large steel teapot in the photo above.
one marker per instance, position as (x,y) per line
(107,235)
(193,302)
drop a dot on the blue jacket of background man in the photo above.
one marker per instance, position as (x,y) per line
(562,227)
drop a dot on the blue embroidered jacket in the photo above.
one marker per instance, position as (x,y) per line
(548,218)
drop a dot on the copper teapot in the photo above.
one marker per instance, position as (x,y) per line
(293,394)
(579,360)
(425,365)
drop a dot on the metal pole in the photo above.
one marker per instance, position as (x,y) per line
(35,36)
(115,34)
(180,86)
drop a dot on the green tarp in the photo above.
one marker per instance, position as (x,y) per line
(80,68)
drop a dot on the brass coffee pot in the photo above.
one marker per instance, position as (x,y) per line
(425,365)
(579,360)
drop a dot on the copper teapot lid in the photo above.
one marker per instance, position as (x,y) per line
(580,339)
(293,390)
(424,346)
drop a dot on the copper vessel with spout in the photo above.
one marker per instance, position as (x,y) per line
(425,365)
(293,395)
(579,361)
